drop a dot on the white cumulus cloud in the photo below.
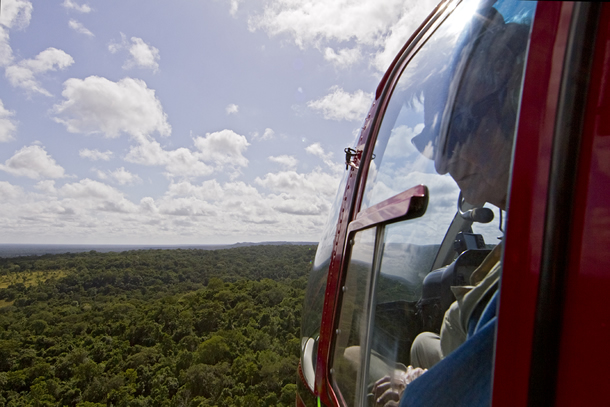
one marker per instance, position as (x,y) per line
(268,134)
(147,205)
(317,150)
(9,192)
(6,52)
(372,24)
(90,189)
(123,177)
(32,162)
(398,34)
(317,20)
(72,5)
(98,105)
(341,105)
(79,28)
(218,151)
(181,162)
(14,14)
(23,74)
(310,184)
(7,124)
(223,148)
(232,108)
(95,155)
(96,196)
(46,186)
(141,54)
(286,161)
(234,4)
(344,57)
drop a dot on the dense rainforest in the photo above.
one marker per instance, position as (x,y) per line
(152,327)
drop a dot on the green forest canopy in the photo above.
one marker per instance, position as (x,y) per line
(152,327)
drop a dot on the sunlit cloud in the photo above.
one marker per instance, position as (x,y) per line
(97,196)
(6,52)
(378,26)
(232,108)
(317,150)
(98,105)
(8,192)
(72,5)
(268,134)
(234,6)
(46,186)
(32,162)
(95,155)
(316,183)
(123,177)
(344,57)
(224,149)
(89,189)
(341,105)
(286,161)
(214,152)
(79,28)
(8,126)
(14,15)
(23,74)
(181,162)
(141,54)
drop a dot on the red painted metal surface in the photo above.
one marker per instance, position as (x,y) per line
(527,203)
(323,380)
(395,207)
(584,358)
(323,385)
(299,401)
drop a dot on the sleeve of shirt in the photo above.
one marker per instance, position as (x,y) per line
(452,331)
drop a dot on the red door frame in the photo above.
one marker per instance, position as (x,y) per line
(527,203)
(586,318)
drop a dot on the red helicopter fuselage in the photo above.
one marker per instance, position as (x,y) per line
(394,227)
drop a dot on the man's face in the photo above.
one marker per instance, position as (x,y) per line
(480,166)
(481,126)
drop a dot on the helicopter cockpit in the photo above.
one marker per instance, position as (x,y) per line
(445,136)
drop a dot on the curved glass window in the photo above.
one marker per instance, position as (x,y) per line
(419,320)
(316,289)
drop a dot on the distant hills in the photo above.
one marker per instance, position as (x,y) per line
(17,250)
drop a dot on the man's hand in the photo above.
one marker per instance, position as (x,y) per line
(387,390)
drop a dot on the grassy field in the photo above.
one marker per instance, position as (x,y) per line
(4,303)
(29,278)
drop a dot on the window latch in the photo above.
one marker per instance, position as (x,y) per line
(352,158)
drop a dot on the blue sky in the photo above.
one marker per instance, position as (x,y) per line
(184,122)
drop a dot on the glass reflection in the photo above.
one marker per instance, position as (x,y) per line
(352,329)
